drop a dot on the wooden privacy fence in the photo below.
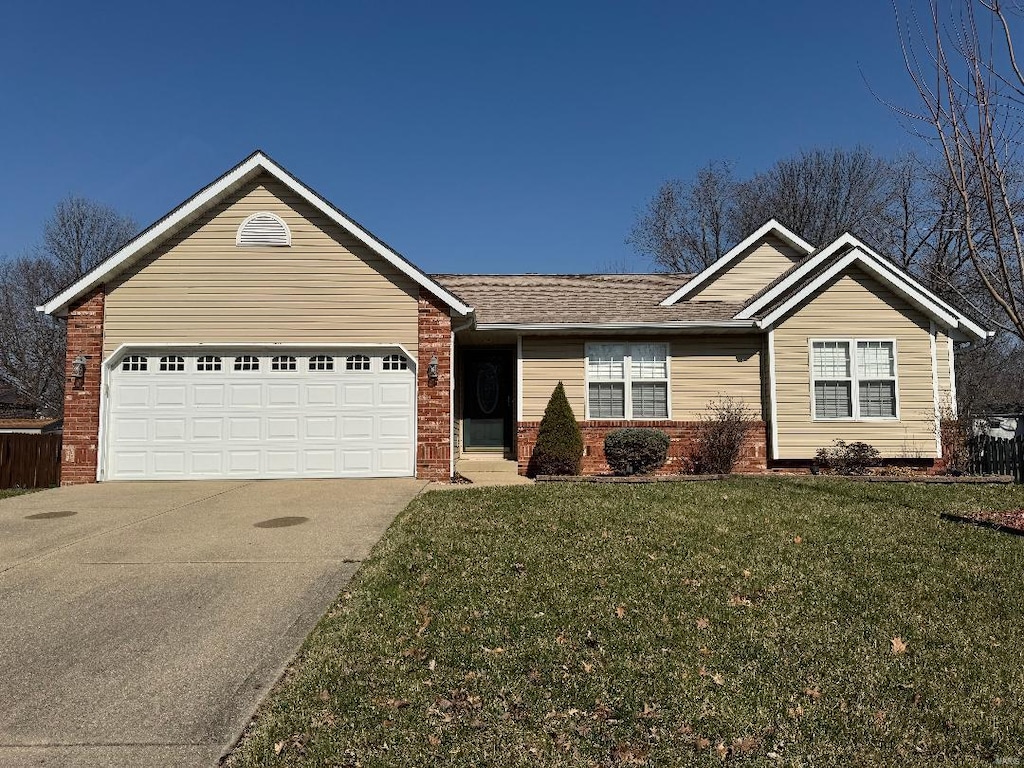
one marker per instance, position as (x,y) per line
(29,461)
(997,456)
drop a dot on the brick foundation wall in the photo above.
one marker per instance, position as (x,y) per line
(753,455)
(80,447)
(433,401)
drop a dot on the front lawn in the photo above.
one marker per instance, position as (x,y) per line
(763,621)
(8,492)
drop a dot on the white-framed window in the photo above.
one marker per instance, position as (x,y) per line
(357,363)
(395,363)
(208,363)
(283,363)
(172,363)
(135,363)
(247,363)
(321,363)
(627,380)
(853,379)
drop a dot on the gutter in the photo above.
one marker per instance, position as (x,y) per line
(679,325)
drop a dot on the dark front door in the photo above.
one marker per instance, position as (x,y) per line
(487,398)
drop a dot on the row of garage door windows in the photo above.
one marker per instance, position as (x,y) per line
(174,363)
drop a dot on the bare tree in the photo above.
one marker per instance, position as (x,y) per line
(964,67)
(78,235)
(687,225)
(820,194)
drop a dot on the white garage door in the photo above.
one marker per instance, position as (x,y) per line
(254,414)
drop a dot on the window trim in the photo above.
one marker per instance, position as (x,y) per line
(854,379)
(627,380)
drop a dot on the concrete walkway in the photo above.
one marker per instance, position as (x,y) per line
(141,623)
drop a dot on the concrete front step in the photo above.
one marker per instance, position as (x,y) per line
(486,464)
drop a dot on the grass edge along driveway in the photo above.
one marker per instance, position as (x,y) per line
(764,621)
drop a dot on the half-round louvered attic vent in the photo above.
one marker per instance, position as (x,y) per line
(263,228)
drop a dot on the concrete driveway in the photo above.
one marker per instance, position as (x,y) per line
(141,623)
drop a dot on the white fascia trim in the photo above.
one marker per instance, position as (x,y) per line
(258,161)
(890,279)
(205,346)
(952,380)
(897,275)
(519,378)
(679,325)
(769,227)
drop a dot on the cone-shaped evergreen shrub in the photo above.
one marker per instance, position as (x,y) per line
(559,443)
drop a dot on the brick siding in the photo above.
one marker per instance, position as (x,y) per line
(433,401)
(753,455)
(80,449)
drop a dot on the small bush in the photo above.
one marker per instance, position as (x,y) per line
(559,445)
(635,451)
(847,458)
(723,427)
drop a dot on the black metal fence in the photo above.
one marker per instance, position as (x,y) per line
(997,456)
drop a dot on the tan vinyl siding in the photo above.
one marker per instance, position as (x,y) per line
(764,262)
(198,286)
(712,367)
(702,369)
(855,306)
(546,361)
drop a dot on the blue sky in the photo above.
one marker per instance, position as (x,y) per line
(473,137)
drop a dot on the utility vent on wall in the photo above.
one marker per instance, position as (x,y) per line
(263,229)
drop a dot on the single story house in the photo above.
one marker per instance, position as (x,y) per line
(41,426)
(256,331)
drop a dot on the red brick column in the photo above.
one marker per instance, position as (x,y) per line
(80,448)
(433,399)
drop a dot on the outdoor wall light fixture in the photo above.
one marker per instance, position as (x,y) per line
(432,368)
(78,370)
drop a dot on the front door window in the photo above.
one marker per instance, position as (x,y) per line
(487,399)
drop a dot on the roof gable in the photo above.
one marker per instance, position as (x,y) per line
(771,227)
(256,163)
(816,272)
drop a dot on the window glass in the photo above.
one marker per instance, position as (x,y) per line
(606,361)
(208,363)
(395,363)
(357,363)
(878,399)
(831,359)
(832,400)
(321,363)
(607,400)
(650,400)
(172,363)
(875,359)
(649,361)
(247,363)
(283,363)
(135,363)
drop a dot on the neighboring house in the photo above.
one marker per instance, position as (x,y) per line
(14,405)
(30,426)
(256,332)
(1005,424)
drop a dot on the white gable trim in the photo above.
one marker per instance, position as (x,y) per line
(896,279)
(769,227)
(208,196)
(858,257)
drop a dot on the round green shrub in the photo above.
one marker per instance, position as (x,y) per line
(559,447)
(635,451)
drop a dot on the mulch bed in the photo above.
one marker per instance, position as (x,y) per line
(1009,521)
(635,479)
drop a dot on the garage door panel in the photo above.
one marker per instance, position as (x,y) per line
(260,423)
(208,428)
(208,395)
(245,395)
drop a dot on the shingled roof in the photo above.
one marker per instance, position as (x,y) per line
(581,299)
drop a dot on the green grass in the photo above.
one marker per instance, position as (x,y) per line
(668,624)
(6,493)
